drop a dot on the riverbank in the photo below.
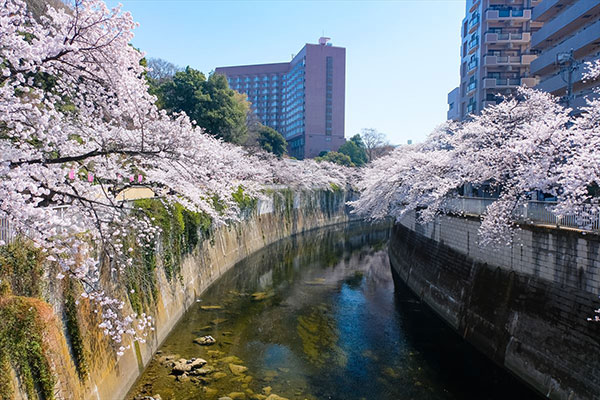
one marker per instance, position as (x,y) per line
(107,376)
(524,306)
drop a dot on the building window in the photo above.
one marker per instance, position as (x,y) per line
(328,94)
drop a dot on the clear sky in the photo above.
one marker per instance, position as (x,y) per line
(402,57)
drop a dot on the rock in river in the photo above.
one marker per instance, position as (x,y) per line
(208,308)
(275,397)
(203,371)
(205,340)
(182,366)
(237,369)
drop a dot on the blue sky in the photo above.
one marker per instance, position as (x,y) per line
(402,57)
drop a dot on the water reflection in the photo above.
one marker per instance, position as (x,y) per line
(315,317)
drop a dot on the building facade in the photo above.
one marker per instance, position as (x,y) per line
(495,53)
(570,36)
(303,99)
(453,102)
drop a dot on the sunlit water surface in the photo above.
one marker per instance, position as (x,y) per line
(316,316)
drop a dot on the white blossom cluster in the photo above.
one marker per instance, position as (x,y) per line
(78,126)
(525,145)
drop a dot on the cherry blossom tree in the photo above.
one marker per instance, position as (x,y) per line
(580,177)
(412,176)
(78,126)
(517,147)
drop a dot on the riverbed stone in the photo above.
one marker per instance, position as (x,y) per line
(267,390)
(231,360)
(225,398)
(165,359)
(237,395)
(219,375)
(202,380)
(237,380)
(275,397)
(207,369)
(183,366)
(205,340)
(209,308)
(215,353)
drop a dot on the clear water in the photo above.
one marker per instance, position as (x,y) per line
(316,316)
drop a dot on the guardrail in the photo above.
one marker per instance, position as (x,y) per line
(6,233)
(532,212)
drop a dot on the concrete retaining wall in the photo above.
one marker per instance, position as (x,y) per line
(283,214)
(525,306)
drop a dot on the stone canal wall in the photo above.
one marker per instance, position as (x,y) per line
(281,214)
(524,306)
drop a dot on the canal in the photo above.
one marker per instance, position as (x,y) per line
(317,316)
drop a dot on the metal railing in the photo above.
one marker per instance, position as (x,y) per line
(508,82)
(474,21)
(6,233)
(472,64)
(532,212)
(473,43)
(472,86)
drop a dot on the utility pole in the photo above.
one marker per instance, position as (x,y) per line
(568,66)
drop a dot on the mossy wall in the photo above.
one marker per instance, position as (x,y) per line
(51,347)
(525,306)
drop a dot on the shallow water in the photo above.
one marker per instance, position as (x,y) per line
(316,316)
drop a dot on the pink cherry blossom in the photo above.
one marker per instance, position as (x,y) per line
(73,97)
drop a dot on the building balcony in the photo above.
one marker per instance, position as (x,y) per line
(471,87)
(525,59)
(519,15)
(474,5)
(576,15)
(501,60)
(529,82)
(493,37)
(472,65)
(473,43)
(474,23)
(582,42)
(493,83)
(501,83)
(556,84)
